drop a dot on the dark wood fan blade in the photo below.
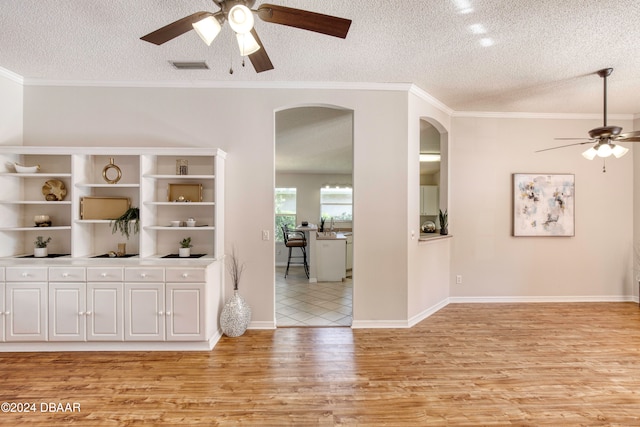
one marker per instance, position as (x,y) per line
(175,29)
(304,19)
(260,59)
(629,136)
(563,146)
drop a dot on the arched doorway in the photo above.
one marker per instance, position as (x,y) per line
(314,180)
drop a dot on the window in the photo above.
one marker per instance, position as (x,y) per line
(336,203)
(285,210)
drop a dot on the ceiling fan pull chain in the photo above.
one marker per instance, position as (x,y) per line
(604,165)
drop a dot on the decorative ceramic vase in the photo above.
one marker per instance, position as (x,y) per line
(40,252)
(444,231)
(235,317)
(184,252)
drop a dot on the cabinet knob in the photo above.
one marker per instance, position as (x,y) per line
(143,275)
(25,274)
(160,313)
(168,313)
(65,274)
(103,274)
(81,313)
(185,275)
(7,313)
(88,313)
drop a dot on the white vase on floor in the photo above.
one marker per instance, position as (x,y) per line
(235,317)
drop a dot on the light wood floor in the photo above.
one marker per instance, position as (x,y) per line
(469,364)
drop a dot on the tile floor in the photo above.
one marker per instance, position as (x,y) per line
(300,303)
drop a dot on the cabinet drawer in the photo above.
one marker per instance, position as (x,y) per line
(185,275)
(105,274)
(67,274)
(26,274)
(140,274)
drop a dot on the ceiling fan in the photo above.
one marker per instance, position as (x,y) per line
(605,137)
(240,17)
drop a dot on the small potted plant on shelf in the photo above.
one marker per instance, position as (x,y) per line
(185,248)
(40,247)
(443,218)
(123,224)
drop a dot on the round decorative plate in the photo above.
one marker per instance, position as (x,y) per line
(54,190)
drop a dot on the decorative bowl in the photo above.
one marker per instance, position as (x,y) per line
(26,169)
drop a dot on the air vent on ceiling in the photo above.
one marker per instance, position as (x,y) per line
(190,65)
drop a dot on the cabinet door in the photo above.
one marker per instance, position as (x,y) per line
(144,317)
(104,312)
(67,311)
(26,312)
(2,313)
(185,311)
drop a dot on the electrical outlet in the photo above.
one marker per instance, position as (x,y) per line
(459,279)
(265,234)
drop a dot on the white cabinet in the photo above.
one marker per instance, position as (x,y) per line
(429,200)
(26,304)
(174,311)
(85,311)
(331,255)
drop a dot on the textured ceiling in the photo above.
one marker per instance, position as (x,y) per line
(541,59)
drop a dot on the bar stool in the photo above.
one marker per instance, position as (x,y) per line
(295,239)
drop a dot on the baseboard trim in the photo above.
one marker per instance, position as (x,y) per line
(534,299)
(262,325)
(428,312)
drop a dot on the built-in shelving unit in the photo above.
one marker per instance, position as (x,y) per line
(147,175)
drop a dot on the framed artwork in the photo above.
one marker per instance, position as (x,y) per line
(543,204)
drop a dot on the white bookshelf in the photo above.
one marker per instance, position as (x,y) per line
(146,174)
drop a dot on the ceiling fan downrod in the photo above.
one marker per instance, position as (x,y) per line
(604,73)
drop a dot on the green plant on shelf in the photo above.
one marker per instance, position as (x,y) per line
(124,223)
(186,242)
(41,242)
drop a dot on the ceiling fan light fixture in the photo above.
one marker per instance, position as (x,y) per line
(590,154)
(605,150)
(240,19)
(247,44)
(619,151)
(207,28)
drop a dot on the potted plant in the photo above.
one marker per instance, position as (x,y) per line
(236,313)
(40,247)
(125,221)
(185,248)
(443,218)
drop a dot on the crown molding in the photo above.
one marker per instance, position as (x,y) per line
(11,76)
(420,93)
(224,85)
(524,115)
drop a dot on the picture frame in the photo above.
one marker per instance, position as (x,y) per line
(184,192)
(103,207)
(543,205)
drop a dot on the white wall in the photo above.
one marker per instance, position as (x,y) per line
(636,210)
(11,103)
(241,122)
(595,264)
